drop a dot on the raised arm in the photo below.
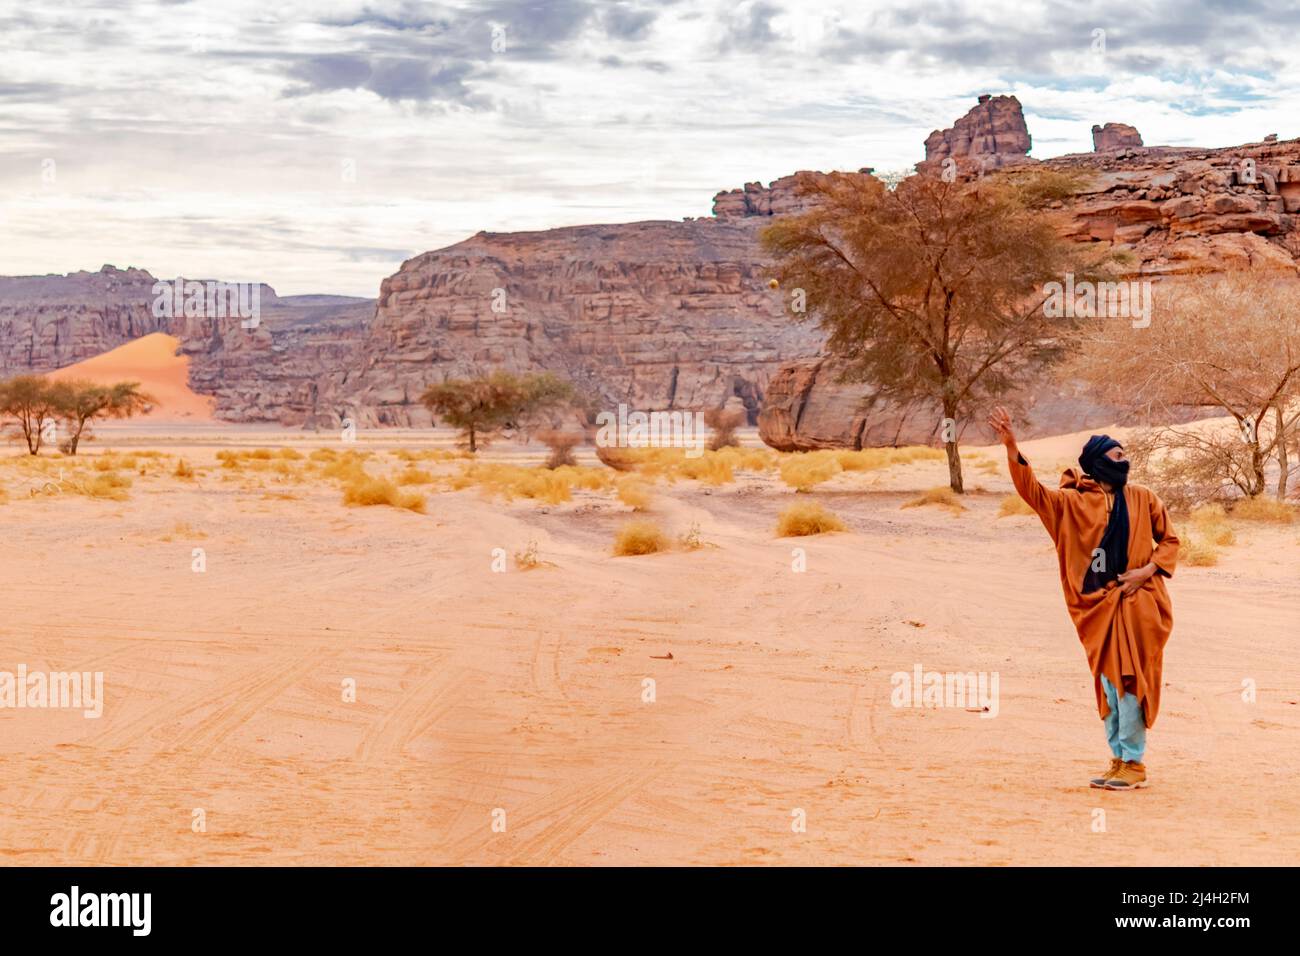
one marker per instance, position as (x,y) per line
(1045,501)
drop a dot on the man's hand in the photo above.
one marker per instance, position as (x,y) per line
(1131,581)
(1000,422)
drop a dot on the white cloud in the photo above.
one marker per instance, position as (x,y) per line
(210,140)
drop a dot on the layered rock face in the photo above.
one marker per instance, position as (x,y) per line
(1179,211)
(272,373)
(809,407)
(779,198)
(1115,136)
(47,322)
(655,314)
(992,135)
(1184,211)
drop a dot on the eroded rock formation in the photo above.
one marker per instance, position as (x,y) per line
(1115,136)
(992,135)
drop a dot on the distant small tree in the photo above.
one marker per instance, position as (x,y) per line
(481,407)
(561,443)
(80,403)
(33,405)
(724,423)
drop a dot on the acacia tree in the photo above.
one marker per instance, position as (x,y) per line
(482,406)
(33,405)
(81,402)
(1229,343)
(932,291)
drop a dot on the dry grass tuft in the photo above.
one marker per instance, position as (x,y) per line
(1197,554)
(804,472)
(415,476)
(366,490)
(539,484)
(529,559)
(1013,505)
(634,493)
(692,539)
(640,537)
(1262,508)
(108,486)
(942,497)
(805,518)
(1211,524)
(183,469)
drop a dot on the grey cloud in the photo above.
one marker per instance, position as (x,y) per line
(750,28)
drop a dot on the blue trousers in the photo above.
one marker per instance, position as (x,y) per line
(1126,731)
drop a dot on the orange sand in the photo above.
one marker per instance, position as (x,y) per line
(152,361)
(523,693)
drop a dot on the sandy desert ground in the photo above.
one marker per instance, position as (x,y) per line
(480,692)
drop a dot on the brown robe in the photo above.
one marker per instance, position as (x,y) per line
(1122,636)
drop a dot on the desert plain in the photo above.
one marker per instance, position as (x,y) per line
(521,695)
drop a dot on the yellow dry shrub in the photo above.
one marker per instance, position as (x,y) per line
(805,518)
(367,490)
(1196,553)
(873,459)
(430,454)
(640,537)
(107,485)
(634,493)
(1013,505)
(711,468)
(347,467)
(415,476)
(943,497)
(805,471)
(323,455)
(183,469)
(1262,508)
(551,486)
(1211,524)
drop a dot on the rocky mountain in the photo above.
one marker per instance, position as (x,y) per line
(1179,211)
(661,314)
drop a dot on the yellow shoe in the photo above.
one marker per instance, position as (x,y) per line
(1099,782)
(1132,776)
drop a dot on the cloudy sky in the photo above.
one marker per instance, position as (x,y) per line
(315,145)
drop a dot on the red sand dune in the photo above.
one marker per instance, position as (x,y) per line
(152,361)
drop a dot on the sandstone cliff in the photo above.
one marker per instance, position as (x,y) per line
(655,314)
(271,373)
